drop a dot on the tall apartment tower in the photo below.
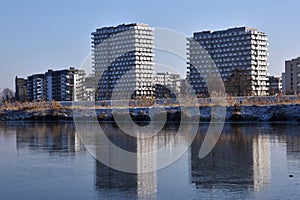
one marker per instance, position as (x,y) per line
(123,54)
(235,48)
(291,79)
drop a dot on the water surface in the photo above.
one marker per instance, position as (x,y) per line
(250,161)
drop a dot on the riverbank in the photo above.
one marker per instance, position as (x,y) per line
(263,113)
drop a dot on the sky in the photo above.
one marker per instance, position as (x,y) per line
(37,35)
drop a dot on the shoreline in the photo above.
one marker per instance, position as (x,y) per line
(262,113)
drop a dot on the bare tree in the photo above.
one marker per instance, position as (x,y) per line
(239,83)
(7,95)
(215,85)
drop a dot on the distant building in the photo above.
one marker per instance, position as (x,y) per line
(36,87)
(292,76)
(89,82)
(21,89)
(235,48)
(58,85)
(118,50)
(79,88)
(283,83)
(65,85)
(90,88)
(172,81)
(166,85)
(275,85)
(184,89)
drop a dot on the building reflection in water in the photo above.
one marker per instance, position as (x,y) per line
(52,137)
(143,185)
(261,161)
(240,158)
(293,144)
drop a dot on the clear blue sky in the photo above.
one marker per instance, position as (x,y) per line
(37,35)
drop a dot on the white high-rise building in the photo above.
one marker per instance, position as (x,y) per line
(123,54)
(235,48)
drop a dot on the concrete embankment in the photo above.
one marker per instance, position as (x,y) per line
(263,113)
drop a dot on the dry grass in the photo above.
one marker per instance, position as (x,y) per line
(31,106)
(229,101)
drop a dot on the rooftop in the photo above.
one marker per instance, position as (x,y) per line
(235,29)
(110,28)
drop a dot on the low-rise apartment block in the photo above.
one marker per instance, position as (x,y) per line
(292,76)
(58,85)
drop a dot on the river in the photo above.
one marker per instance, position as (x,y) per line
(249,161)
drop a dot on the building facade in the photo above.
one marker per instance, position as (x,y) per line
(283,83)
(167,85)
(275,85)
(89,88)
(79,87)
(36,87)
(21,89)
(169,80)
(236,48)
(58,85)
(123,54)
(292,80)
(65,85)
